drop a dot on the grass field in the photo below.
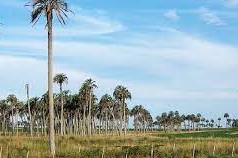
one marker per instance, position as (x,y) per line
(157,144)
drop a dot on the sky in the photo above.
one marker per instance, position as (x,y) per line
(170,54)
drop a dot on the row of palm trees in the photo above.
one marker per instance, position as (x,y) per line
(83,114)
(75,114)
(172,121)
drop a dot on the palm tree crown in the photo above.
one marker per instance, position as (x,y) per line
(47,7)
(61,78)
(121,93)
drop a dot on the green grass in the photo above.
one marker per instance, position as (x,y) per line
(216,133)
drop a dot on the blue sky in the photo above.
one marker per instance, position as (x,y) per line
(172,55)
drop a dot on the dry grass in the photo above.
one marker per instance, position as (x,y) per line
(135,146)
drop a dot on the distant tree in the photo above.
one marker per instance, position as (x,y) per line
(203,120)
(121,93)
(219,122)
(212,123)
(198,120)
(61,79)
(229,122)
(105,104)
(207,123)
(226,116)
(12,100)
(235,123)
(4,107)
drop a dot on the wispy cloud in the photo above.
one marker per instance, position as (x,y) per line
(36,76)
(231,3)
(96,22)
(81,24)
(167,60)
(172,15)
(210,17)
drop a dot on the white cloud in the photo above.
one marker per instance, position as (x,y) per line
(36,76)
(231,3)
(210,17)
(172,15)
(82,23)
(191,64)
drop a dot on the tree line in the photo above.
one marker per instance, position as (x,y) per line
(81,113)
(173,121)
(84,114)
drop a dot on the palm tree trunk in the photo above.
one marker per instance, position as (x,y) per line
(89,113)
(12,122)
(29,109)
(124,115)
(44,121)
(106,122)
(4,123)
(84,119)
(50,84)
(62,111)
(120,130)
(17,120)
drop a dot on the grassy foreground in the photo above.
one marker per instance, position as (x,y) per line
(158,144)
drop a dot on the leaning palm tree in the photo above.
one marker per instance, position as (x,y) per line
(61,79)
(48,8)
(122,94)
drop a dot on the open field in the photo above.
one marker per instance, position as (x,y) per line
(215,143)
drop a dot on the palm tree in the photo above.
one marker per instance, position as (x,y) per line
(199,120)
(3,109)
(219,122)
(212,123)
(18,106)
(122,94)
(89,85)
(203,122)
(135,112)
(48,7)
(61,79)
(12,100)
(226,115)
(86,96)
(104,104)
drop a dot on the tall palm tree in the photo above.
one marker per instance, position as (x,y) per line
(48,8)
(61,79)
(122,94)
(89,85)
